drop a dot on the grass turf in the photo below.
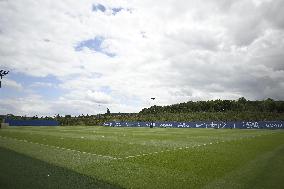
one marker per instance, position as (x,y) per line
(21,171)
(142,157)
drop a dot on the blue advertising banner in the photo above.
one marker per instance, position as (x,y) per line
(203,124)
(31,122)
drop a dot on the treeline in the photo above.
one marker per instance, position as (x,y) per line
(240,105)
(214,110)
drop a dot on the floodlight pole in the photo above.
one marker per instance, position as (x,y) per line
(2,73)
(152,124)
(99,114)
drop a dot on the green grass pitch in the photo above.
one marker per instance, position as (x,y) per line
(106,157)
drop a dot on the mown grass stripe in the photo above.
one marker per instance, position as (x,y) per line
(138,155)
(56,147)
(187,147)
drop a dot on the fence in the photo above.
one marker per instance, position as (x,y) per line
(200,124)
(31,122)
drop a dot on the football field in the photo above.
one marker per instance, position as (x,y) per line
(113,157)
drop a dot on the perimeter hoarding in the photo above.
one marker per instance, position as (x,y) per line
(203,124)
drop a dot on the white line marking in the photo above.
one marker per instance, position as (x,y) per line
(57,147)
(115,158)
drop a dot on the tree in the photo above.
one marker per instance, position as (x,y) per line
(108,112)
(269,105)
(242,100)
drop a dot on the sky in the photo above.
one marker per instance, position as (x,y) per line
(82,57)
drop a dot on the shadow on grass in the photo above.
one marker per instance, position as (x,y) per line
(21,171)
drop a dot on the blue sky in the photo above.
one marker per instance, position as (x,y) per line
(97,7)
(79,57)
(95,45)
(47,87)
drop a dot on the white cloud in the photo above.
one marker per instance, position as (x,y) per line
(42,84)
(98,97)
(172,50)
(11,84)
(29,105)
